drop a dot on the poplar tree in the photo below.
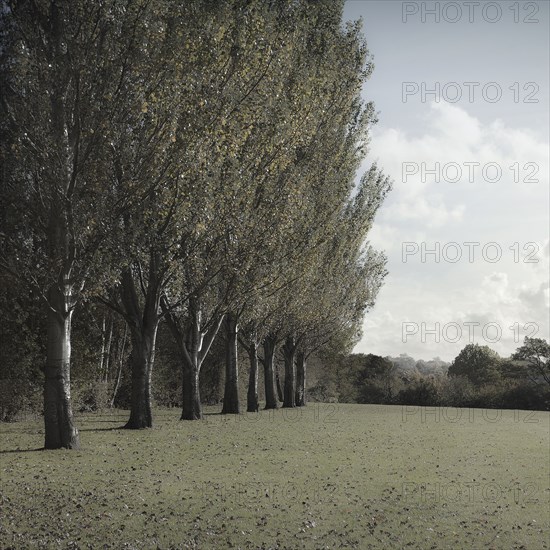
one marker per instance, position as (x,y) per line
(64,68)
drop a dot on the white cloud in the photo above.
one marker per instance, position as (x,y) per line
(431,211)
(512,292)
(490,311)
(457,138)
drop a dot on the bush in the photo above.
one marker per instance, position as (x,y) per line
(372,391)
(167,394)
(421,392)
(322,393)
(527,397)
(91,396)
(457,391)
(19,398)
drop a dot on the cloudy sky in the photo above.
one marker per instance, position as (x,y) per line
(464,133)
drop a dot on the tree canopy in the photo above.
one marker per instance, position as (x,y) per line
(479,364)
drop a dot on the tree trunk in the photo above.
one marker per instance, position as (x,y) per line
(231,393)
(252,404)
(300,379)
(280,395)
(60,431)
(120,365)
(192,409)
(103,339)
(189,344)
(143,323)
(289,350)
(141,359)
(106,362)
(269,373)
(193,345)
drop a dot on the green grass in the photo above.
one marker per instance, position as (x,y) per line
(327,476)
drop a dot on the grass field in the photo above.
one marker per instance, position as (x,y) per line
(326,476)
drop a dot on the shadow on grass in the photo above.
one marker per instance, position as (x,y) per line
(93,421)
(21,450)
(101,429)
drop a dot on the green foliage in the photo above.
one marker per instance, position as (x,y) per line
(63,69)
(359,378)
(91,396)
(21,350)
(535,353)
(377,380)
(477,363)
(420,391)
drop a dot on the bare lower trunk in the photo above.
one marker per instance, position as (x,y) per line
(192,409)
(252,404)
(231,393)
(103,338)
(193,345)
(143,323)
(106,363)
(280,394)
(142,358)
(300,379)
(60,431)
(289,350)
(191,367)
(119,370)
(269,373)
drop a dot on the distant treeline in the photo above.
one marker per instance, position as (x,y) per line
(477,377)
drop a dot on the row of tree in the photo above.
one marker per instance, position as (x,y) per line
(190,163)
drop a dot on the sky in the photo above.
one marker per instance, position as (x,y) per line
(462,90)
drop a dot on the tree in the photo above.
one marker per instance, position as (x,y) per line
(63,70)
(248,115)
(194,337)
(144,160)
(479,364)
(174,150)
(420,391)
(342,282)
(286,161)
(341,294)
(324,170)
(376,380)
(536,354)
